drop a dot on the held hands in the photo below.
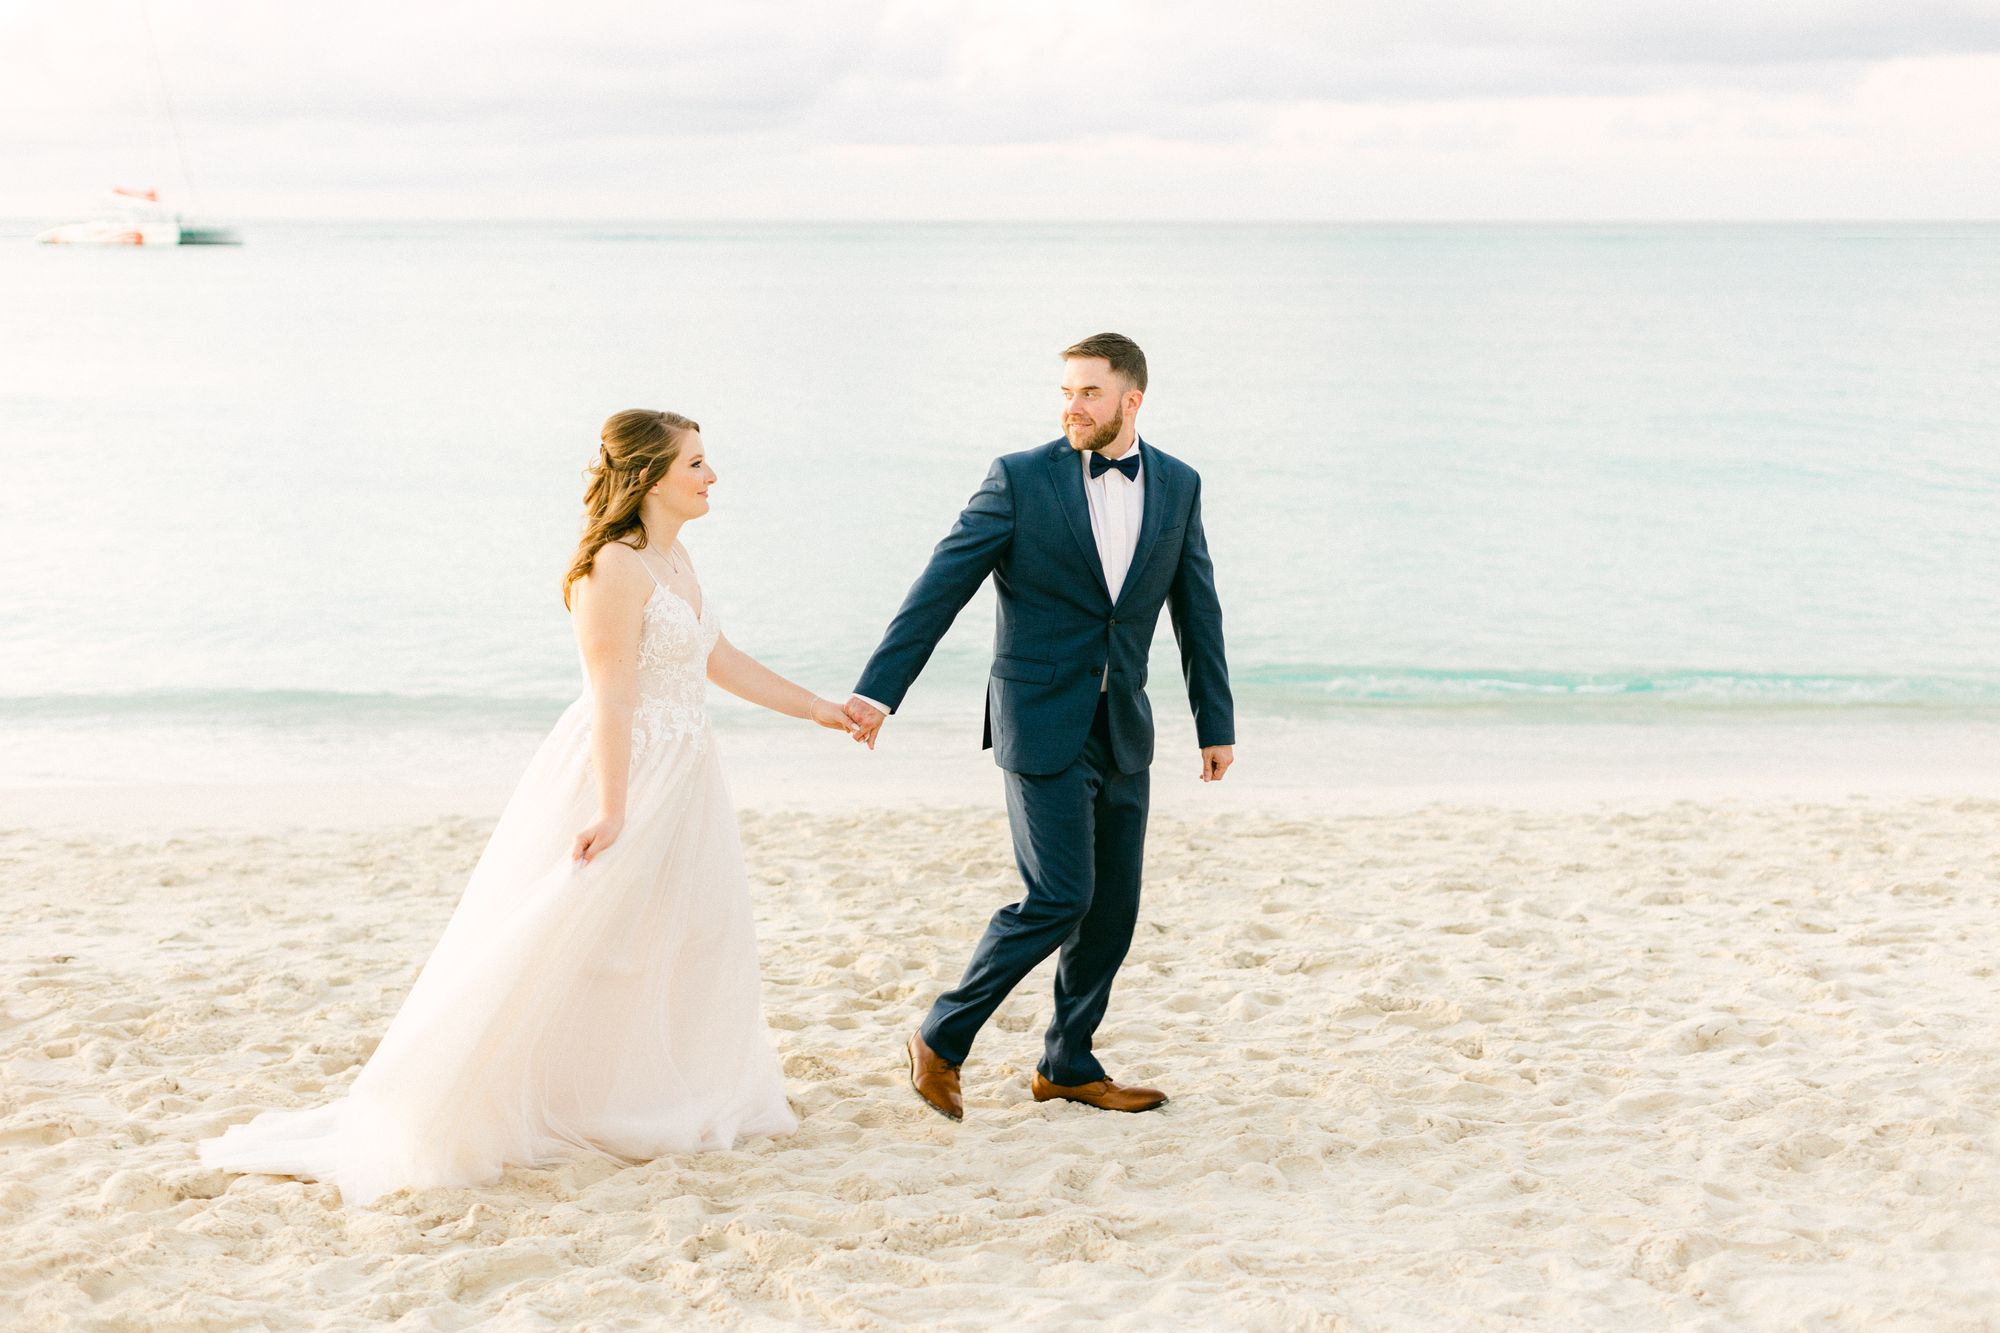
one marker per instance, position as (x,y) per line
(867,720)
(1215,761)
(827,713)
(597,837)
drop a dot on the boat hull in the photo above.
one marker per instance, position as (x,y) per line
(119,231)
(210,235)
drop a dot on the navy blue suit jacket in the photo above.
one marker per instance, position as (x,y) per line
(1057,629)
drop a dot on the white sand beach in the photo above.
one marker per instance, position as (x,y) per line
(1683,1064)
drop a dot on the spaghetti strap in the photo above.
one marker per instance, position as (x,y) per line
(646,566)
(651,575)
(678,596)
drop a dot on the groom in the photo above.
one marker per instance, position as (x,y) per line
(1086,538)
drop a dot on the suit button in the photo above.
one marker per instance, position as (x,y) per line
(1114,620)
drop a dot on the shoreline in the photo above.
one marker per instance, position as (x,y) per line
(1291,771)
(351,778)
(138,811)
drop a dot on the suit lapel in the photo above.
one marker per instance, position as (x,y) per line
(1066,475)
(1149,519)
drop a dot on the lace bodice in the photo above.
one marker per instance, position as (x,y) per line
(673,669)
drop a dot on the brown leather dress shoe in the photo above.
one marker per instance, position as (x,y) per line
(1103,1094)
(935,1081)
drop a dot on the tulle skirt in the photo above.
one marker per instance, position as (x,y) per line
(612,1008)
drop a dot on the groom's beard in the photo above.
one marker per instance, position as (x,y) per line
(1106,433)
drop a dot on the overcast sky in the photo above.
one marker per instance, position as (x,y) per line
(1021,109)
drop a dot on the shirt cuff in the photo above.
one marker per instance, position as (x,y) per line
(879,707)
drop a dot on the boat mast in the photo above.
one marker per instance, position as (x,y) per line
(167,101)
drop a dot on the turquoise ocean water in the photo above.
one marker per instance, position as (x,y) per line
(299,510)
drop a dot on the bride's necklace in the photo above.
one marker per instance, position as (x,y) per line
(671,558)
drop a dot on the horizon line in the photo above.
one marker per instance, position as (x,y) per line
(43,220)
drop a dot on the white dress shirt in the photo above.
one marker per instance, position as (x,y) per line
(1116,506)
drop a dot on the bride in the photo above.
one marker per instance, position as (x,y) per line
(596,989)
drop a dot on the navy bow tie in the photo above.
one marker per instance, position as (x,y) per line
(1129,465)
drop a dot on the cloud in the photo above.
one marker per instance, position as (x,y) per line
(781,107)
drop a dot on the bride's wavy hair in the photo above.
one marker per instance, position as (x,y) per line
(637,447)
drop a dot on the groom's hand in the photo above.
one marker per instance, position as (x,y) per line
(1215,761)
(867,719)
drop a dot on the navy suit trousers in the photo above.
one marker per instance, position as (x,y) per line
(1079,839)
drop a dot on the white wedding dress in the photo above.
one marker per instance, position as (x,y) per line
(609,1008)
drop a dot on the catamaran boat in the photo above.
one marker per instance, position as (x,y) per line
(139,220)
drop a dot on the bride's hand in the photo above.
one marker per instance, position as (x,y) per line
(827,713)
(597,837)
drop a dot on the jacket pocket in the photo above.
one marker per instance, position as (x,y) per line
(1026,669)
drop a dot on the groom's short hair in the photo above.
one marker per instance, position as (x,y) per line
(1123,354)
